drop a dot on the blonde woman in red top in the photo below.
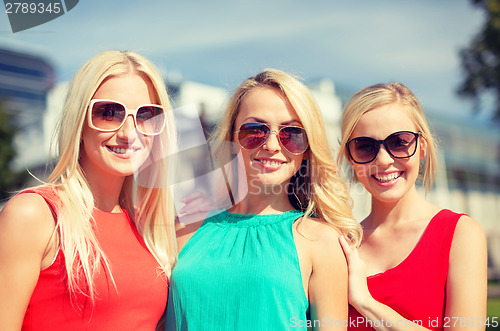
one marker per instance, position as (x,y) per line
(93,248)
(426,266)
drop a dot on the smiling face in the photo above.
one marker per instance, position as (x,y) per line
(269,164)
(120,152)
(388,179)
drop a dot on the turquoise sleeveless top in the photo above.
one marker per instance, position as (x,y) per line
(239,272)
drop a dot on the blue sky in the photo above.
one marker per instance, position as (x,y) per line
(220,42)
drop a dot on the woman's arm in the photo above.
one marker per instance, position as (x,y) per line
(328,281)
(26,226)
(466,289)
(361,299)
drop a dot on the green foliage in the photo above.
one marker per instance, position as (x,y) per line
(9,179)
(481,59)
(494,311)
(494,306)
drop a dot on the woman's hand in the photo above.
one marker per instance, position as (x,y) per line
(196,202)
(358,287)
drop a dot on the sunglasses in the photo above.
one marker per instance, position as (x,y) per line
(399,145)
(253,135)
(109,115)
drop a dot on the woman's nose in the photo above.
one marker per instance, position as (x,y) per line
(128,130)
(272,143)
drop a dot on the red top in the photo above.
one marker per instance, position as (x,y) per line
(141,291)
(416,288)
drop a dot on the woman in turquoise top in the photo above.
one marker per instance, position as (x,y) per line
(274,255)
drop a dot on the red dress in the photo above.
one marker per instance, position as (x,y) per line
(416,288)
(141,291)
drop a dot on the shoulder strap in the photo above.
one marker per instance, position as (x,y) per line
(439,235)
(443,224)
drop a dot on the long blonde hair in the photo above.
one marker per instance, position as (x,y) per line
(317,189)
(151,208)
(378,95)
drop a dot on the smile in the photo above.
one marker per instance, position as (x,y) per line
(121,150)
(386,178)
(270,164)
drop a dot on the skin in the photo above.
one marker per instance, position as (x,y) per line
(105,169)
(27,241)
(322,262)
(398,218)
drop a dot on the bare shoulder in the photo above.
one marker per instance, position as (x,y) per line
(469,230)
(469,223)
(27,215)
(327,260)
(321,238)
(317,229)
(26,226)
(468,246)
(468,270)
(27,207)
(469,240)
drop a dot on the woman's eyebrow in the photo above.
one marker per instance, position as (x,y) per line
(259,120)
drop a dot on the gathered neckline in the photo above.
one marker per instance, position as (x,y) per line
(226,218)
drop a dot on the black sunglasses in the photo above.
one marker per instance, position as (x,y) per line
(253,135)
(399,145)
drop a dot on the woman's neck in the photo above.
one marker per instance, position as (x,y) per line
(410,207)
(106,192)
(263,204)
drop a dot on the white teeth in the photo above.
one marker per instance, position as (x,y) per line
(387,178)
(120,150)
(270,163)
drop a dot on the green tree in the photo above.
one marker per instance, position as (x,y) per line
(9,179)
(481,59)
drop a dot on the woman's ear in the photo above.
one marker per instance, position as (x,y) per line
(306,154)
(423,147)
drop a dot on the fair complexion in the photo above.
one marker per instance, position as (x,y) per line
(398,219)
(108,157)
(268,172)
(269,167)
(27,241)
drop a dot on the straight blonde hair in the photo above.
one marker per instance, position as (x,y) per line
(150,207)
(317,189)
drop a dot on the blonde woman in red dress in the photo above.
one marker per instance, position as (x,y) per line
(93,248)
(426,266)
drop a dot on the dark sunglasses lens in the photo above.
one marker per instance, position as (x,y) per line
(150,119)
(401,144)
(252,135)
(294,139)
(107,115)
(363,149)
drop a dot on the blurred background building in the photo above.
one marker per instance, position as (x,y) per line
(25,81)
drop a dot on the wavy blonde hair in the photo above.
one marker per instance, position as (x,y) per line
(378,95)
(317,189)
(150,208)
